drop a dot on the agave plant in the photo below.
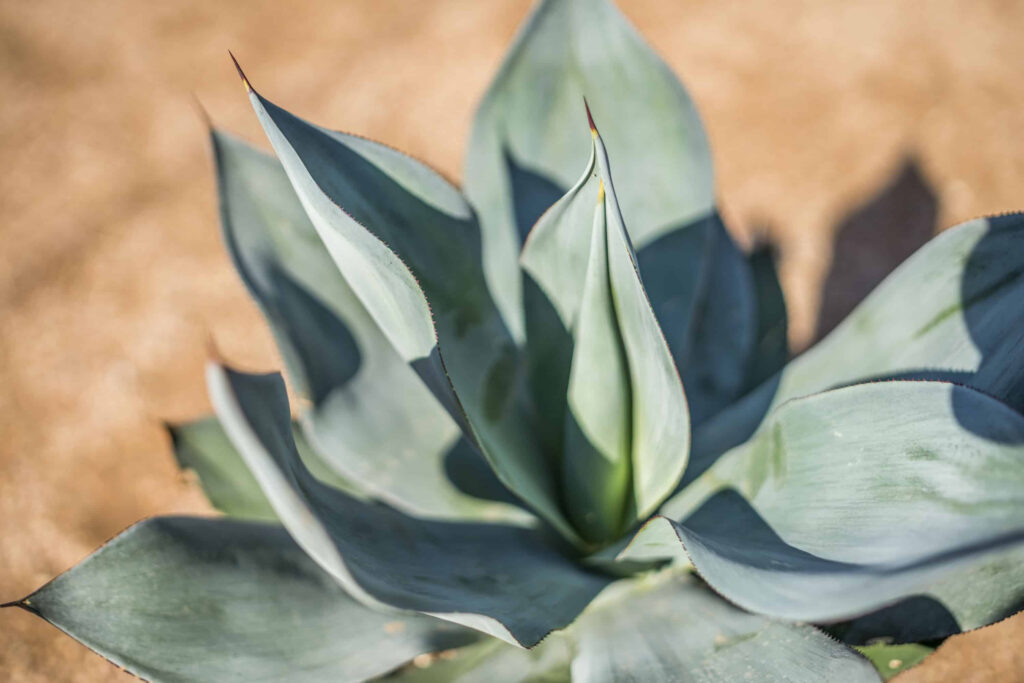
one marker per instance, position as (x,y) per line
(551,430)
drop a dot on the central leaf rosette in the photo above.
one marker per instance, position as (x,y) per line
(612,415)
(584,418)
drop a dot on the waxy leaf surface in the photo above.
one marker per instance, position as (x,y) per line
(409,246)
(371,416)
(932,472)
(500,579)
(186,599)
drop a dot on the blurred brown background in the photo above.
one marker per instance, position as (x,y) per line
(888,119)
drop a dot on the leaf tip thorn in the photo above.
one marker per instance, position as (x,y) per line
(590,118)
(241,74)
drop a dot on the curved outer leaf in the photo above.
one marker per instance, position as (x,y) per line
(372,417)
(578,279)
(956,305)
(675,629)
(189,599)
(951,311)
(525,151)
(203,447)
(501,580)
(408,244)
(933,474)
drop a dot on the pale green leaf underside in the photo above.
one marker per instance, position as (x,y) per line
(409,246)
(372,417)
(178,599)
(673,628)
(933,474)
(502,580)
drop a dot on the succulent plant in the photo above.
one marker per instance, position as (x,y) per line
(551,429)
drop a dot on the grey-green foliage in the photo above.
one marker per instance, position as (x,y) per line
(562,401)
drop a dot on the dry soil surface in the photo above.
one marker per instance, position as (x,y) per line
(112,274)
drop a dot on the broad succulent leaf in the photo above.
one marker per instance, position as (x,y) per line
(409,246)
(500,579)
(625,413)
(951,311)
(371,415)
(677,629)
(932,472)
(189,599)
(526,149)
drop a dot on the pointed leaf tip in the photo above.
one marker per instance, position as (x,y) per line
(590,118)
(241,74)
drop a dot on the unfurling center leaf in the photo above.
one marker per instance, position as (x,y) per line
(613,419)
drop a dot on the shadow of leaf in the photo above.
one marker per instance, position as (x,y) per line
(875,238)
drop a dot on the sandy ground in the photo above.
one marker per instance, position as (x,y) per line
(112,274)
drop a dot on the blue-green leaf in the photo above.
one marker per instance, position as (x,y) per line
(931,472)
(525,152)
(371,416)
(675,629)
(188,599)
(951,311)
(500,579)
(526,147)
(596,457)
(409,246)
